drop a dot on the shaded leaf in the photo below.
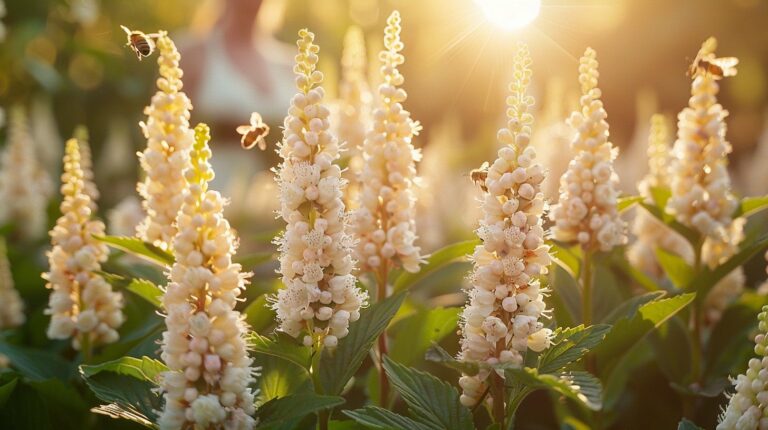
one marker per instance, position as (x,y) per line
(438,355)
(413,335)
(283,346)
(708,278)
(279,378)
(687,424)
(675,267)
(338,366)
(692,236)
(577,385)
(432,401)
(36,364)
(378,418)
(286,412)
(139,248)
(442,257)
(6,390)
(259,314)
(249,261)
(630,307)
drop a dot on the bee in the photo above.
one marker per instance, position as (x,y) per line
(254,133)
(141,44)
(706,62)
(478,176)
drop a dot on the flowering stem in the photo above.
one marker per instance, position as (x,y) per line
(497,393)
(324,415)
(381,296)
(696,346)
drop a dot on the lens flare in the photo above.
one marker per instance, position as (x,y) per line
(510,14)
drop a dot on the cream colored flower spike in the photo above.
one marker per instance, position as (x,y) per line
(167,154)
(502,317)
(207,385)
(25,186)
(701,187)
(320,297)
(384,223)
(586,211)
(82,304)
(11,305)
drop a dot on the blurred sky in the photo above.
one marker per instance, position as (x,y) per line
(71,53)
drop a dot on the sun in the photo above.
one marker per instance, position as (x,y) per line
(510,14)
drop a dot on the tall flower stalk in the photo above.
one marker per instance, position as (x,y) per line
(167,154)
(207,384)
(11,305)
(25,186)
(501,320)
(586,213)
(320,297)
(701,194)
(385,222)
(354,114)
(82,304)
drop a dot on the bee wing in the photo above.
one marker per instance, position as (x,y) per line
(728,64)
(255,118)
(243,129)
(262,143)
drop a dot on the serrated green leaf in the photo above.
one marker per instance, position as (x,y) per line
(127,384)
(628,331)
(374,417)
(285,413)
(338,366)
(630,307)
(577,385)
(569,345)
(438,355)
(144,368)
(679,272)
(282,346)
(627,202)
(139,248)
(708,278)
(36,364)
(431,401)
(750,205)
(413,335)
(442,257)
(147,291)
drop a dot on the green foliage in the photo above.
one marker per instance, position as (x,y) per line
(378,418)
(569,258)
(687,424)
(626,203)
(139,248)
(127,386)
(285,413)
(338,366)
(414,334)
(577,385)
(282,346)
(749,206)
(570,345)
(450,254)
(708,278)
(675,267)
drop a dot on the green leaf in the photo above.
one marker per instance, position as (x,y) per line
(147,291)
(569,258)
(675,267)
(569,345)
(432,401)
(338,366)
(750,205)
(378,418)
(708,278)
(259,314)
(36,364)
(279,378)
(687,424)
(692,236)
(621,263)
(413,335)
(661,196)
(629,331)
(450,254)
(285,413)
(127,385)
(6,390)
(577,385)
(144,368)
(627,202)
(139,248)
(438,355)
(283,346)
(630,307)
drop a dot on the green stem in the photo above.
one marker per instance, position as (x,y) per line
(697,349)
(323,416)
(86,347)
(382,341)
(497,393)
(586,289)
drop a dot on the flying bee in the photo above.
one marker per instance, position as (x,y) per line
(254,133)
(478,176)
(141,44)
(717,67)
